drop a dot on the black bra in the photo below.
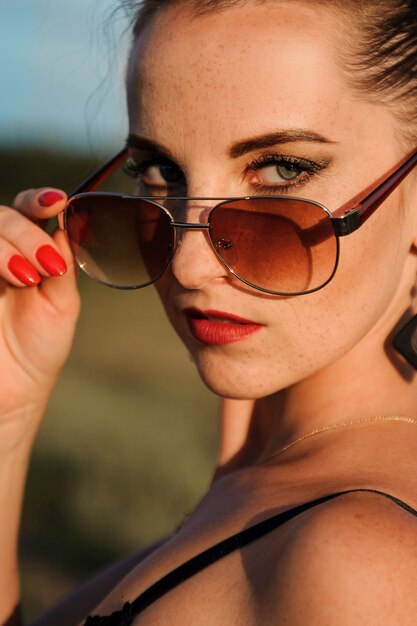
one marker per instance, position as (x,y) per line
(130,610)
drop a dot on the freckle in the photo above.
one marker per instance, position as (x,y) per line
(358,516)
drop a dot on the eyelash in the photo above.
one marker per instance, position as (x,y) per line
(308,169)
(135,169)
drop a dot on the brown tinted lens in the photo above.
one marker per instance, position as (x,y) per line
(281,245)
(121,242)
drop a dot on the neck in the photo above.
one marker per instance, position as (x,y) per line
(369,381)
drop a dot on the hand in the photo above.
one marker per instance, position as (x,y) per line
(39,306)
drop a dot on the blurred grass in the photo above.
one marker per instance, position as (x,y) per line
(128,442)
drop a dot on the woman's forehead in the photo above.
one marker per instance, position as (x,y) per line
(241,70)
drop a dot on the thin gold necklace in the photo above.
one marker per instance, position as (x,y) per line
(341,426)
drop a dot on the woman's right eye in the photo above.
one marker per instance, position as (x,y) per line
(155,174)
(161,174)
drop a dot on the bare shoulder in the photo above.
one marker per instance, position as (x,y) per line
(351,560)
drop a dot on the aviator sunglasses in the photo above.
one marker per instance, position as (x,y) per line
(279,245)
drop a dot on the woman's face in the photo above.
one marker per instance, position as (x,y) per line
(200,85)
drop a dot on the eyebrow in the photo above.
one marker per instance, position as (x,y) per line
(135,141)
(290,135)
(267,140)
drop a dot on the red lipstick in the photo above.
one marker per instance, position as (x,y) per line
(218,328)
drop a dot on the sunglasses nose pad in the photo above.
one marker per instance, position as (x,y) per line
(226,250)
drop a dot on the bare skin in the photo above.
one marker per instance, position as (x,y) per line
(319,359)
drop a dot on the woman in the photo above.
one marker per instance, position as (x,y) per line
(313,100)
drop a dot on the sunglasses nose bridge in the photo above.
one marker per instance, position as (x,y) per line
(195,262)
(181,228)
(196,211)
(189,225)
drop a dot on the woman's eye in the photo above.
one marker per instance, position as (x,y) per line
(280,173)
(154,173)
(160,174)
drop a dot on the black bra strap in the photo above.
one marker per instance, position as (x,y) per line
(216,552)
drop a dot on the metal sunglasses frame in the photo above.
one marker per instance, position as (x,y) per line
(345,220)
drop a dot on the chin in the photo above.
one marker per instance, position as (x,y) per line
(235,379)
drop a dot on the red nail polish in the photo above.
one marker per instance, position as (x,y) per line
(49,198)
(51,261)
(23,270)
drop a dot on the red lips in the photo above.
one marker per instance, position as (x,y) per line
(218,328)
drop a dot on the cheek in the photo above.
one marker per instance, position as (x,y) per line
(330,323)
(372,260)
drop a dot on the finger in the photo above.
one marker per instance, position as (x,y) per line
(40,203)
(31,242)
(15,269)
(62,291)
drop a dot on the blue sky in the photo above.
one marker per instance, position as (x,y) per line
(61,74)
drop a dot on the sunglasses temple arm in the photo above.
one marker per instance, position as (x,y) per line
(366,203)
(94,180)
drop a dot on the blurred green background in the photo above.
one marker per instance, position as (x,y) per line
(129,440)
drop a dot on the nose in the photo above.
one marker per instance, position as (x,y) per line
(195,262)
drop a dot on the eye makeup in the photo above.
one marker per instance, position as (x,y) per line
(160,175)
(299,171)
(303,169)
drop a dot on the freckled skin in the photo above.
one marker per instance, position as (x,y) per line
(196,86)
(200,90)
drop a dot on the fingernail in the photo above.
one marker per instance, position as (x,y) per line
(23,270)
(51,261)
(49,198)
